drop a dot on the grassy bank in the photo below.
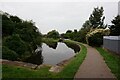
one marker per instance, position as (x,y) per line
(112,60)
(49,40)
(72,45)
(68,72)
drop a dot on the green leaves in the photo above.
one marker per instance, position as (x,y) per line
(53,34)
(21,37)
(115,27)
(8,54)
(96,18)
(16,44)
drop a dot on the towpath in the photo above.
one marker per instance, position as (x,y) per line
(93,66)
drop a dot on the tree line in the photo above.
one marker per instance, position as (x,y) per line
(92,30)
(20,38)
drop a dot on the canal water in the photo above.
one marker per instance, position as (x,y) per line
(53,54)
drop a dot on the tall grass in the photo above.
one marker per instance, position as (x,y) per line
(112,60)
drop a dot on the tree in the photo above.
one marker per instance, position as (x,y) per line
(36,58)
(19,37)
(82,35)
(69,31)
(15,19)
(95,38)
(16,44)
(75,30)
(83,31)
(53,34)
(8,27)
(8,54)
(86,25)
(115,27)
(96,18)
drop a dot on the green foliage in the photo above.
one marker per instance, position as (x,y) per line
(53,34)
(72,35)
(72,45)
(86,26)
(50,42)
(96,18)
(8,54)
(5,16)
(25,35)
(20,36)
(115,27)
(16,44)
(69,31)
(95,40)
(96,21)
(8,27)
(113,61)
(20,73)
(82,34)
(38,40)
(15,19)
(75,30)
(95,37)
(35,58)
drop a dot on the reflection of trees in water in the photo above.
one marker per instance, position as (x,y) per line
(75,47)
(53,45)
(35,58)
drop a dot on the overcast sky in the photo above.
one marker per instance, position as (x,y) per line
(60,16)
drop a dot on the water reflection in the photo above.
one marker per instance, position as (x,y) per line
(54,45)
(75,47)
(54,56)
(51,54)
(36,58)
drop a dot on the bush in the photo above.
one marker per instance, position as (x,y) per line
(8,54)
(95,38)
(50,42)
(16,44)
(72,45)
(53,34)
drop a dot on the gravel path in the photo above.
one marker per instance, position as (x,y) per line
(93,66)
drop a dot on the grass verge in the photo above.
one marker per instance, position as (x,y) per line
(112,60)
(72,45)
(68,72)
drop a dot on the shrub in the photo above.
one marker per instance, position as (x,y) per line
(50,42)
(53,34)
(95,37)
(16,44)
(8,54)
